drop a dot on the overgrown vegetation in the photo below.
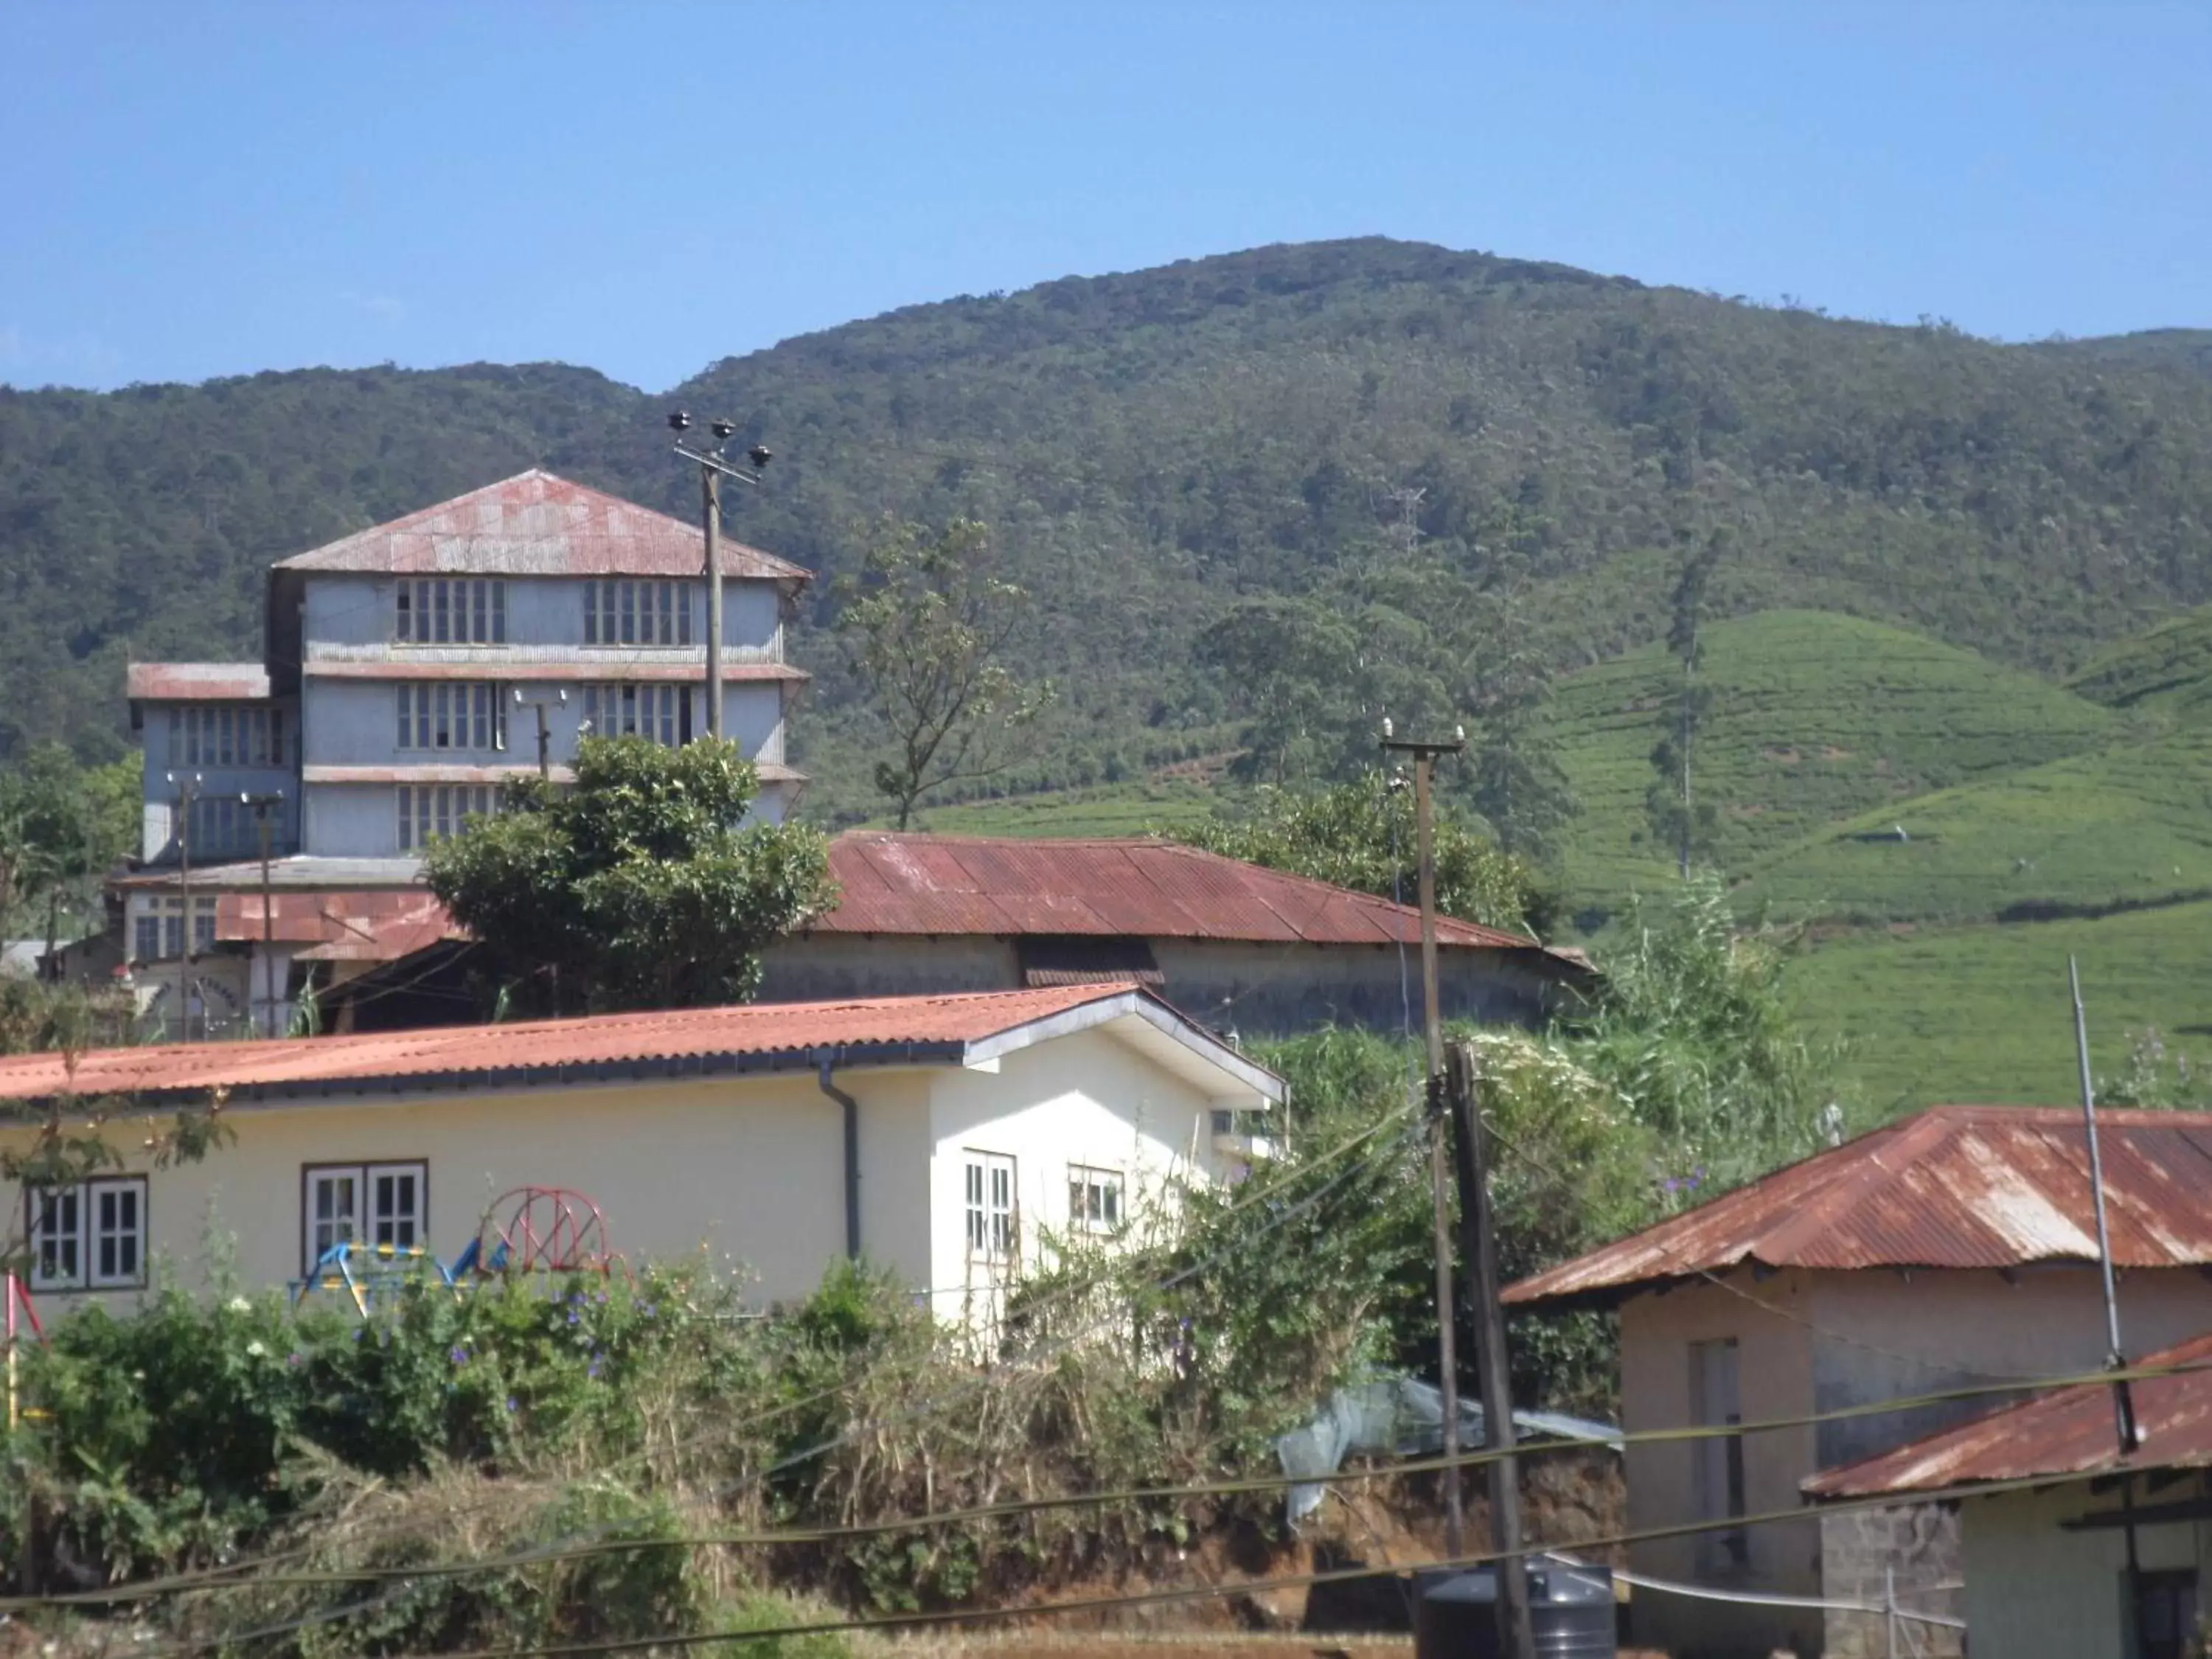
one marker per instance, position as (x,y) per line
(331,1460)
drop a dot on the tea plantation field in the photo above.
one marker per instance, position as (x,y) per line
(1980,1012)
(1814,718)
(2127,825)
(2167,670)
(1113,809)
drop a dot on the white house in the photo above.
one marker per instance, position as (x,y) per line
(2073,1549)
(946,1138)
(1951,1250)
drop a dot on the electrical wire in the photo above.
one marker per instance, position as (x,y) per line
(1217,1592)
(2046,1385)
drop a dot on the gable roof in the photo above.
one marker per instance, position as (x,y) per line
(2069,1432)
(537,524)
(1135,887)
(963,1029)
(1955,1186)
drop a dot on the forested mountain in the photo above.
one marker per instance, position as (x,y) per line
(1153,446)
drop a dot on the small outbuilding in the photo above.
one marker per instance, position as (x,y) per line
(1240,947)
(2073,1549)
(1954,1249)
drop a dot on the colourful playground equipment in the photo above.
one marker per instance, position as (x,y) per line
(364,1270)
(527,1230)
(547,1230)
(21,1313)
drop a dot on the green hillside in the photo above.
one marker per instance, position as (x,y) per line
(2166,670)
(1814,718)
(2130,825)
(1113,809)
(1980,1013)
(1151,446)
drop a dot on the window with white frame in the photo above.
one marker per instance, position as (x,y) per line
(1094,1199)
(450,610)
(382,1205)
(990,1204)
(89,1234)
(446,716)
(227,734)
(662,713)
(158,929)
(620,612)
(427,811)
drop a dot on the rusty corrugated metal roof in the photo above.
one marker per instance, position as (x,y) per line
(615,668)
(1135,887)
(896,1024)
(1954,1187)
(196,682)
(537,524)
(2067,1432)
(381,924)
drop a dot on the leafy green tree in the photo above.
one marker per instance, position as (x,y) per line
(926,625)
(1361,835)
(62,825)
(636,888)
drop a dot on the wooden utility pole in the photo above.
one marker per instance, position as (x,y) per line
(713,469)
(188,790)
(710,491)
(263,806)
(1425,759)
(1479,1244)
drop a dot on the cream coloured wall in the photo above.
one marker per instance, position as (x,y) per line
(1775,1374)
(1084,1099)
(749,1169)
(2036,1592)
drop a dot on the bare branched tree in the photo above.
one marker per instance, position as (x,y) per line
(927,623)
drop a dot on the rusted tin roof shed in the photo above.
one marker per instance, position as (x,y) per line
(1964,1187)
(2068,1432)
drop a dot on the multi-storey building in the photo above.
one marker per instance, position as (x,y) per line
(410,670)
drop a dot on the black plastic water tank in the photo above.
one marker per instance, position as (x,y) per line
(1571,1609)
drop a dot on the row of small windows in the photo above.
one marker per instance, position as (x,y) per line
(662,713)
(444,716)
(226,734)
(473,611)
(91,1234)
(158,935)
(620,612)
(451,610)
(430,810)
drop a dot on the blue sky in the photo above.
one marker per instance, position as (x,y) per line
(195,189)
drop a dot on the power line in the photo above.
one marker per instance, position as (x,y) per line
(1214,1592)
(2046,1385)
